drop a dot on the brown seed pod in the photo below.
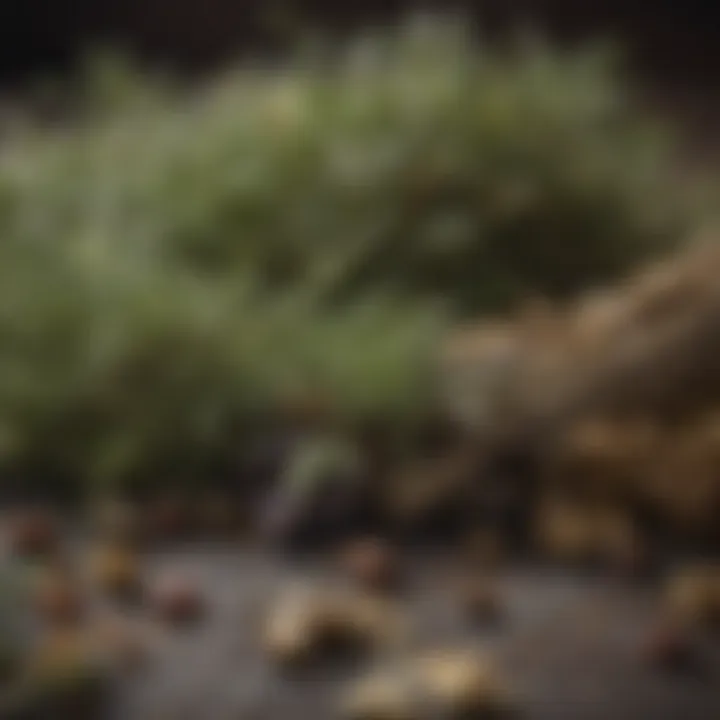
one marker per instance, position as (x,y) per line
(289,637)
(178,601)
(670,647)
(306,627)
(481,599)
(116,571)
(380,697)
(313,634)
(338,635)
(692,596)
(455,684)
(372,565)
(464,685)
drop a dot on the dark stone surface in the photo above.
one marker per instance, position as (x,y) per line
(572,647)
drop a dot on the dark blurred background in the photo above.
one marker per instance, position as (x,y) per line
(670,40)
(672,48)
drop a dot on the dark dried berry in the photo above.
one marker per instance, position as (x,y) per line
(373,565)
(178,602)
(482,601)
(670,648)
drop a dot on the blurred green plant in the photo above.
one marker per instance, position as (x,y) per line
(174,263)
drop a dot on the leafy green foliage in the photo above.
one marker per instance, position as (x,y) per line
(414,159)
(174,265)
